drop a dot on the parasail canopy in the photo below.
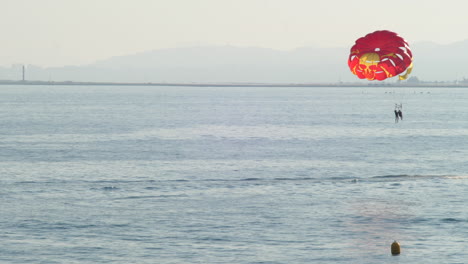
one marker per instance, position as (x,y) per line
(380,55)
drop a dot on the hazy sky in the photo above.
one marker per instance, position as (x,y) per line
(76,32)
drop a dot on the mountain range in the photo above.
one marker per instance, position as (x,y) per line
(230,64)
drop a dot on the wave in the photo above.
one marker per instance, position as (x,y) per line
(242,132)
(417,176)
(251,179)
(391,176)
(110,188)
(453,220)
(151,196)
(39,224)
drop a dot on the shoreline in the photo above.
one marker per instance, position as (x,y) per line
(193,84)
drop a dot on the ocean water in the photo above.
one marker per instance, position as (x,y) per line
(96,174)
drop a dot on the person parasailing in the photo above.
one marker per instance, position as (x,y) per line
(380,55)
(398,112)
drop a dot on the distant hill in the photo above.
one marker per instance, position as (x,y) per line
(433,62)
(232,64)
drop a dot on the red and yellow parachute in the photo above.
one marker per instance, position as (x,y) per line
(380,55)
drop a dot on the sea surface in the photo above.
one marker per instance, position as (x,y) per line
(169,175)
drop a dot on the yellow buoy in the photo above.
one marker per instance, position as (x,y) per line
(395,248)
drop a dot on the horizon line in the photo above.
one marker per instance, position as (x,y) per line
(242,84)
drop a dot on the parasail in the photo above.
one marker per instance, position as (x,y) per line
(380,55)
